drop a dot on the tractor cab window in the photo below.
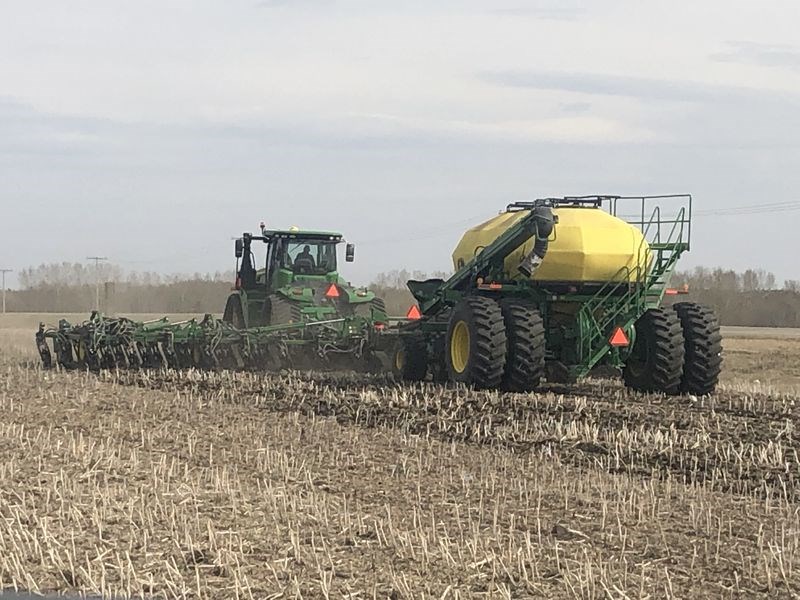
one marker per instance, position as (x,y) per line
(309,257)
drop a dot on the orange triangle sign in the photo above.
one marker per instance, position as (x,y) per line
(413,313)
(333,291)
(618,338)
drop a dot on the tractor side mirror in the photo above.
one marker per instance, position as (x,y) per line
(350,253)
(239,248)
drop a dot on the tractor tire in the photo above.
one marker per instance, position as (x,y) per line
(656,360)
(475,347)
(703,348)
(283,311)
(365,308)
(525,346)
(233,312)
(410,358)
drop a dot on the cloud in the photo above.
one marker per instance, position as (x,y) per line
(24,130)
(641,88)
(575,129)
(679,112)
(290,3)
(575,108)
(564,10)
(766,55)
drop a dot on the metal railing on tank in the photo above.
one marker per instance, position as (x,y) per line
(665,219)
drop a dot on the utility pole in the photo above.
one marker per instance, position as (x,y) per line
(4,271)
(96,260)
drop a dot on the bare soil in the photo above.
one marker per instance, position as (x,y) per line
(243,485)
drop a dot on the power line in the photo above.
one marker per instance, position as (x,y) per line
(96,260)
(4,271)
(424,234)
(449,229)
(767,207)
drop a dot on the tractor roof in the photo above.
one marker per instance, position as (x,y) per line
(304,234)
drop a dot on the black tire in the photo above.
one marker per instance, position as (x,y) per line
(703,348)
(476,356)
(283,311)
(233,312)
(525,346)
(365,309)
(656,360)
(410,358)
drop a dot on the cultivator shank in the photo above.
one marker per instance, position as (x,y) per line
(103,342)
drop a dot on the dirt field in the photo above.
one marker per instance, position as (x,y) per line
(231,485)
(775,333)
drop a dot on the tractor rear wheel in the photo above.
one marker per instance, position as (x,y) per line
(283,311)
(233,312)
(657,358)
(365,309)
(410,358)
(526,343)
(703,347)
(475,347)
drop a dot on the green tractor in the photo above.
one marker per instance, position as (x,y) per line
(299,282)
(294,312)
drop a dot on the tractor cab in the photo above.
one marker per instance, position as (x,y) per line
(287,256)
(307,256)
(288,275)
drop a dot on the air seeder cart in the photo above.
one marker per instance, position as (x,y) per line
(559,286)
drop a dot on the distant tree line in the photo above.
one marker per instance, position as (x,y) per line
(749,298)
(70,287)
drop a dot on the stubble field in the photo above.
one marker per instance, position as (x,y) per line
(296,485)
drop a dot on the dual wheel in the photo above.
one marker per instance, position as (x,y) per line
(678,349)
(489,344)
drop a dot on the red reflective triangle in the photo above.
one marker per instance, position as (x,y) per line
(618,338)
(333,291)
(413,313)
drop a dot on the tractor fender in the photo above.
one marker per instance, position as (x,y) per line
(356,296)
(290,293)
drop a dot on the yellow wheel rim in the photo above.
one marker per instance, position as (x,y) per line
(459,347)
(400,359)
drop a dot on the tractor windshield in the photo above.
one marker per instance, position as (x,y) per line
(309,257)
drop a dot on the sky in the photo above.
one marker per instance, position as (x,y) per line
(154,132)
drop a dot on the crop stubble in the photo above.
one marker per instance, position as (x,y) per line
(311,485)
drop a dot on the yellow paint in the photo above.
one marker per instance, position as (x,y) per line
(587,245)
(459,347)
(400,359)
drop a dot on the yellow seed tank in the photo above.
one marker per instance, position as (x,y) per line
(588,245)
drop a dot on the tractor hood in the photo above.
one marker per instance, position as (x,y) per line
(321,292)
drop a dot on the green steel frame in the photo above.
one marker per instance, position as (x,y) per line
(116,342)
(581,343)
(621,301)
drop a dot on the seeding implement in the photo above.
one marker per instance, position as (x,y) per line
(116,342)
(550,289)
(558,287)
